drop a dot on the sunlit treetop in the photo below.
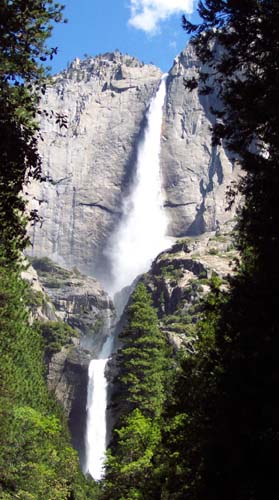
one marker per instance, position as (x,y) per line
(25,26)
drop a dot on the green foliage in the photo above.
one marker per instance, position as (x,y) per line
(186,425)
(25,28)
(170,272)
(240,54)
(213,251)
(189,311)
(142,384)
(19,362)
(55,335)
(54,276)
(239,43)
(36,459)
(128,470)
(142,359)
(35,298)
(45,266)
(40,461)
(219,238)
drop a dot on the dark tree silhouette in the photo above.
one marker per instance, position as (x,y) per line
(239,43)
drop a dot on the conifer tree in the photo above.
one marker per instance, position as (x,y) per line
(143,367)
(129,467)
(36,459)
(142,359)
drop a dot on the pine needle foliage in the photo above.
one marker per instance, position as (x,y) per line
(143,365)
(36,459)
(142,359)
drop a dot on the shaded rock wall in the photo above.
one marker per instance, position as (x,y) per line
(196,174)
(67,379)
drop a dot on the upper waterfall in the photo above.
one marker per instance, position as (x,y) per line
(141,234)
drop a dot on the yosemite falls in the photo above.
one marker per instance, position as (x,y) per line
(100,208)
(142,231)
(138,239)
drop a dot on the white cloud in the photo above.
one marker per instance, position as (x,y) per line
(146,15)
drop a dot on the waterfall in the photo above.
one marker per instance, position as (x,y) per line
(136,242)
(141,235)
(96,412)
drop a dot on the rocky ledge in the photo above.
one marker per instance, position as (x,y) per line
(180,277)
(79,301)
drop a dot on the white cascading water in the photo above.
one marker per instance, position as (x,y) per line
(96,410)
(141,235)
(139,238)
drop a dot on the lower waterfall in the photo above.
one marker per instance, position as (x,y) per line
(96,412)
(141,235)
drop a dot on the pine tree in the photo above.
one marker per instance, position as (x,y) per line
(143,367)
(129,468)
(36,459)
(142,359)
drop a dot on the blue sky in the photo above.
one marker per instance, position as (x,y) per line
(147,29)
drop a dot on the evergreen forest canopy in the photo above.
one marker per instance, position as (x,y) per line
(204,425)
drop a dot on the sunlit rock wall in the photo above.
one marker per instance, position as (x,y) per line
(89,164)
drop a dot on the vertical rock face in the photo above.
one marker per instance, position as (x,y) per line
(196,174)
(67,379)
(88,164)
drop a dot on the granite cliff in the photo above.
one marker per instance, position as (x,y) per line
(196,174)
(89,164)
